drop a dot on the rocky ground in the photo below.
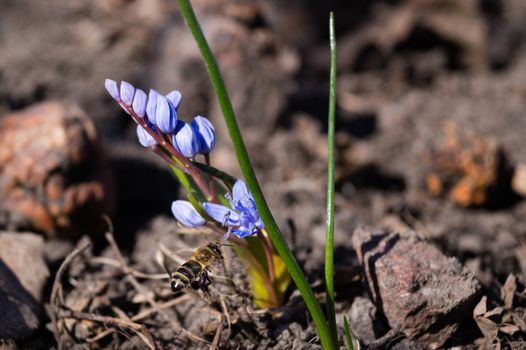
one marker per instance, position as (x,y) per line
(430,245)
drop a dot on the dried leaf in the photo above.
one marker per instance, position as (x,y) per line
(481,307)
(494,312)
(489,328)
(519,321)
(509,329)
(508,291)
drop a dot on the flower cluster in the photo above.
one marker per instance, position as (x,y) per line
(158,115)
(241,219)
(158,126)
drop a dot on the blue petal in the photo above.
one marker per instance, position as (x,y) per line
(127,92)
(205,134)
(241,232)
(144,137)
(185,140)
(139,102)
(240,191)
(221,214)
(112,88)
(151,107)
(165,116)
(175,98)
(186,214)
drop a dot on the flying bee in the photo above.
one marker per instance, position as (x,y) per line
(194,272)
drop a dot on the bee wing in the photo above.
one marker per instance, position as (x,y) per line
(221,265)
(161,260)
(179,256)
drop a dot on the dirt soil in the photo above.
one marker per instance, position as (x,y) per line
(408,71)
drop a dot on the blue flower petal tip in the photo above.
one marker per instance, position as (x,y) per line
(205,134)
(113,89)
(175,98)
(144,137)
(127,92)
(184,140)
(165,115)
(186,214)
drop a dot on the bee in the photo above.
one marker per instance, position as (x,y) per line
(194,272)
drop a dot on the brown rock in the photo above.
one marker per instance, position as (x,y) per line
(468,168)
(23,254)
(422,292)
(53,175)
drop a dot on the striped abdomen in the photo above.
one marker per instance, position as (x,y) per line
(186,274)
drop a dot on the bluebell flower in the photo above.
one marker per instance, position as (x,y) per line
(243,218)
(165,115)
(184,140)
(112,88)
(175,98)
(127,92)
(144,137)
(186,214)
(139,103)
(205,134)
(151,106)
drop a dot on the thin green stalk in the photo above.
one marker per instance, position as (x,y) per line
(244,162)
(329,233)
(347,331)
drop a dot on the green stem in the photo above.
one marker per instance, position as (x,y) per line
(244,162)
(329,234)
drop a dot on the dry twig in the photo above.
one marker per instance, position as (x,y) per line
(57,298)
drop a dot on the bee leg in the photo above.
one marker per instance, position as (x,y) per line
(204,282)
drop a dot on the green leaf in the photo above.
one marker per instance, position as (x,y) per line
(261,289)
(227,179)
(329,235)
(282,278)
(347,332)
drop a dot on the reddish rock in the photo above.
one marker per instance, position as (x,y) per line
(421,292)
(468,168)
(53,175)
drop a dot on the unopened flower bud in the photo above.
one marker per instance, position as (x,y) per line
(186,214)
(165,115)
(112,88)
(151,106)
(144,137)
(205,133)
(127,92)
(175,98)
(139,103)
(185,140)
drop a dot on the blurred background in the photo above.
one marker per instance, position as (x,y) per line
(430,116)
